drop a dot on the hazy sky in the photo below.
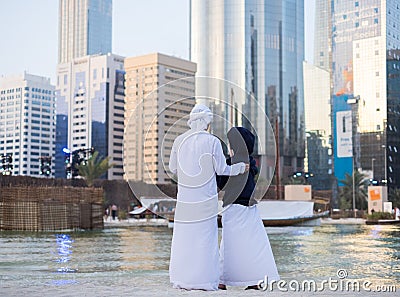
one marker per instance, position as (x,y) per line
(29,32)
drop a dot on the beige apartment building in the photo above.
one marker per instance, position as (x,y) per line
(159,95)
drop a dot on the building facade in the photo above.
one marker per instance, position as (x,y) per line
(159,96)
(259,46)
(85,28)
(365,44)
(322,35)
(27,125)
(317,110)
(317,101)
(90,108)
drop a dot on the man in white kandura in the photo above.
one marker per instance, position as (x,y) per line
(196,158)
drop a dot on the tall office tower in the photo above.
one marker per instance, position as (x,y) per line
(90,104)
(159,96)
(322,34)
(259,46)
(85,28)
(365,44)
(27,125)
(317,110)
(317,90)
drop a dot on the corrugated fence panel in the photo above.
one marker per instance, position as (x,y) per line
(50,208)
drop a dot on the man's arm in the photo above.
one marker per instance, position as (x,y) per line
(173,160)
(220,166)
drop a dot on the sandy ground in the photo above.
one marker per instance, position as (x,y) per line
(90,289)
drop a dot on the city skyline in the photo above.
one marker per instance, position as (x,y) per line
(33,40)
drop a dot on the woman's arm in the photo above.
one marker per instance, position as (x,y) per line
(253,166)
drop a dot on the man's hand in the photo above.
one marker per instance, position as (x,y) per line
(247,167)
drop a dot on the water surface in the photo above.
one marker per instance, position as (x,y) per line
(134,261)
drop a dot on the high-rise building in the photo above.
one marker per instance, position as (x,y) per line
(317,110)
(322,35)
(27,125)
(366,62)
(259,46)
(90,109)
(85,28)
(159,96)
(317,90)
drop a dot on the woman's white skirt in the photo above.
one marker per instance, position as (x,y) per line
(245,254)
(194,255)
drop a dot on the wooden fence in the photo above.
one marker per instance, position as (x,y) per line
(27,208)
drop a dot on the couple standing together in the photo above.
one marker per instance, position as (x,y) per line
(245,256)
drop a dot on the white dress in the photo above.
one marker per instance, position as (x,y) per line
(245,254)
(196,157)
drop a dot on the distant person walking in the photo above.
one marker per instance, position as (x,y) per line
(114,209)
(106,213)
(196,157)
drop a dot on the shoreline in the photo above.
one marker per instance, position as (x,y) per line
(135,223)
(343,221)
(109,223)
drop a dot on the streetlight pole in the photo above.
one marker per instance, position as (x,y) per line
(384,150)
(372,161)
(354,114)
(354,190)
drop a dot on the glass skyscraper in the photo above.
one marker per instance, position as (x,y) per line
(85,28)
(365,66)
(259,46)
(317,90)
(322,34)
(318,125)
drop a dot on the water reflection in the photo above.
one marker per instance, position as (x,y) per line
(145,249)
(64,250)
